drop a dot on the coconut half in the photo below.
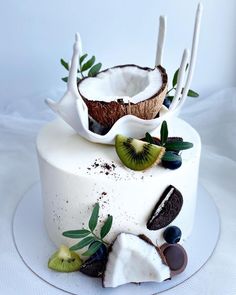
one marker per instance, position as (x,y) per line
(135,260)
(124,90)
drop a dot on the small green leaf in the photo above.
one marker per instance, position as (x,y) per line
(65,79)
(85,242)
(82,58)
(171,156)
(175,78)
(192,93)
(88,64)
(164,132)
(106,227)
(94,70)
(93,248)
(178,146)
(149,138)
(65,64)
(94,217)
(76,234)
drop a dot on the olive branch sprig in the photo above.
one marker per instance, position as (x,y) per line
(88,66)
(173,145)
(191,93)
(89,238)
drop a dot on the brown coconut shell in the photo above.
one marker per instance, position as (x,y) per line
(107,113)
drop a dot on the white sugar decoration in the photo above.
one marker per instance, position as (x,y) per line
(73,110)
(161,40)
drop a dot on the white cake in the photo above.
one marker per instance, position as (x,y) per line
(76,174)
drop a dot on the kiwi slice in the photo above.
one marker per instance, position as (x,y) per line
(137,154)
(64,260)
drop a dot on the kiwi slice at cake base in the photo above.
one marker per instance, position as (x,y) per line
(137,154)
(64,260)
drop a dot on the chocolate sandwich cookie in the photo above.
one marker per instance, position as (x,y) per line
(166,209)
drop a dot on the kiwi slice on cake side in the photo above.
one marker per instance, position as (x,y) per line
(137,154)
(64,260)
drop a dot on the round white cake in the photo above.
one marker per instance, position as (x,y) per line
(76,174)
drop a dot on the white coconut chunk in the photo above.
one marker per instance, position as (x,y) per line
(130,83)
(133,260)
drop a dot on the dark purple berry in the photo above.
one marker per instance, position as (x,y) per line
(95,265)
(100,254)
(172,164)
(172,234)
(167,102)
(93,268)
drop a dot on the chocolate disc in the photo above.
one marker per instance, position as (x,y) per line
(175,256)
(166,209)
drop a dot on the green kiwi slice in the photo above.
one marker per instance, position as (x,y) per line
(137,154)
(64,260)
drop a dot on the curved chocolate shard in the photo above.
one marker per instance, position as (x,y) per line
(176,257)
(166,209)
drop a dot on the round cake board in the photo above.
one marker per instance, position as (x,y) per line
(34,247)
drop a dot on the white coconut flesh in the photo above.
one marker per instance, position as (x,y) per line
(133,260)
(130,83)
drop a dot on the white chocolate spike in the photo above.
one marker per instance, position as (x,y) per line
(79,42)
(193,54)
(180,80)
(72,79)
(160,40)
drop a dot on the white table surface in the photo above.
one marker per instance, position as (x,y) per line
(215,119)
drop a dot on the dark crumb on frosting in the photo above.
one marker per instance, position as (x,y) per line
(102,167)
(109,168)
(103,199)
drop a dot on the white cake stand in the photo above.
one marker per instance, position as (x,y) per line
(34,247)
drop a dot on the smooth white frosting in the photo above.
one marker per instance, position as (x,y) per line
(71,184)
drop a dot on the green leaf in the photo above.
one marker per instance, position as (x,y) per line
(176,74)
(94,217)
(106,227)
(88,64)
(164,132)
(149,138)
(76,234)
(65,64)
(192,93)
(171,156)
(82,58)
(85,242)
(178,146)
(94,70)
(93,249)
(175,78)
(65,79)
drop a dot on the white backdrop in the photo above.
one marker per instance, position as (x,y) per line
(36,34)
